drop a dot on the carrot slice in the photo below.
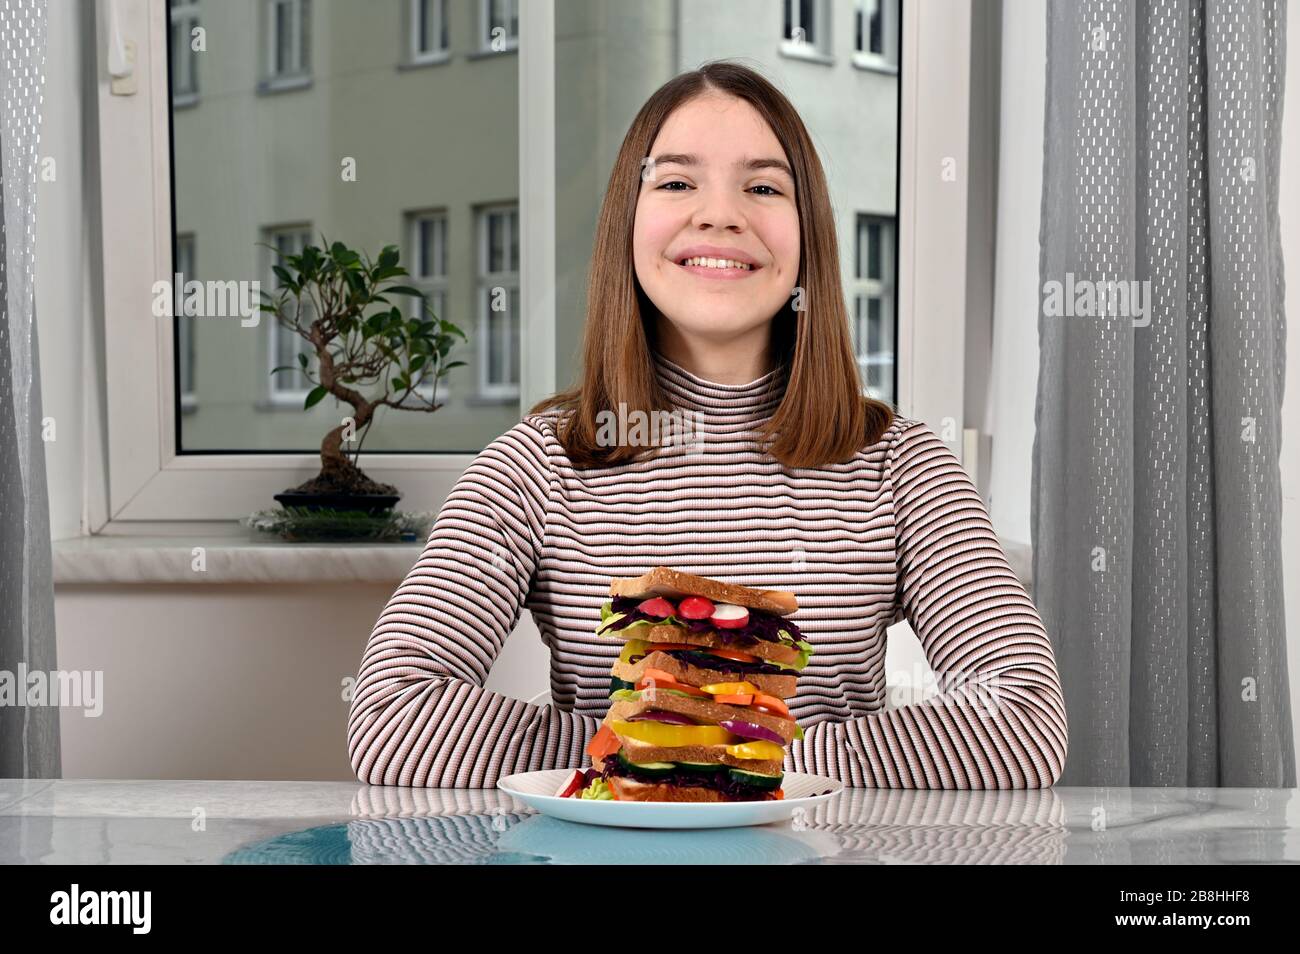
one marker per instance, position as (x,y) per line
(604,743)
(777,707)
(742,700)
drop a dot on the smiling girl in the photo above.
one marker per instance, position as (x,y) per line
(715,292)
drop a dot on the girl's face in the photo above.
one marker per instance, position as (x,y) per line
(717,186)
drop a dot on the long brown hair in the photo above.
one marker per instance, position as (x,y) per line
(823,416)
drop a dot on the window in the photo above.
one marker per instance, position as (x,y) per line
(288,52)
(184,322)
(873,304)
(500,25)
(498,302)
(427,30)
(807,29)
(427,255)
(184,16)
(876,27)
(284,345)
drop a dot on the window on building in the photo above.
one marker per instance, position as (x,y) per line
(873,304)
(184,268)
(427,256)
(500,20)
(427,29)
(284,344)
(876,32)
(807,28)
(184,17)
(288,33)
(498,302)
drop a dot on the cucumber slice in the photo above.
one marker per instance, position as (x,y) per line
(649,769)
(765,782)
(616,684)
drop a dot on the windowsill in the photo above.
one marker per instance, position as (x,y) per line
(234,558)
(484,400)
(428,59)
(489,53)
(873,64)
(231,555)
(805,51)
(283,84)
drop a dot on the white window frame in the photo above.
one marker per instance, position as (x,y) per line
(887,60)
(514,11)
(184,19)
(277,394)
(435,10)
(818,48)
(486,281)
(149,486)
(434,284)
(865,289)
(298,74)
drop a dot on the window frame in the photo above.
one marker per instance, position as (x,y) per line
(148,486)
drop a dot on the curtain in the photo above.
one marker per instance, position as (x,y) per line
(29,734)
(1156,485)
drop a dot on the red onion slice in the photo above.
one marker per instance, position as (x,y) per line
(658,715)
(748,730)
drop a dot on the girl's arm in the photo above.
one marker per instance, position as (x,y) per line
(420,715)
(999,720)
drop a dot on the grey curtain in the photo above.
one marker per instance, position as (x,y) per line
(1156,489)
(29,734)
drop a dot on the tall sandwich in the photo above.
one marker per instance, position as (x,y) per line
(697,697)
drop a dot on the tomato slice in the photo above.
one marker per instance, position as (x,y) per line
(779,793)
(733,654)
(604,743)
(765,703)
(739,700)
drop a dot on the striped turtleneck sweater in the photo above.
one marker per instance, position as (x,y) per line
(899,531)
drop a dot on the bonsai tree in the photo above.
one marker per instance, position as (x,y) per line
(368,353)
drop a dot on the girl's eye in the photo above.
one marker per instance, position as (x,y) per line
(771,189)
(672,183)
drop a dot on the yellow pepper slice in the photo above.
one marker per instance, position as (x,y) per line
(668,736)
(756,749)
(730,688)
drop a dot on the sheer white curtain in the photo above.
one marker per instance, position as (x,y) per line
(29,734)
(1156,504)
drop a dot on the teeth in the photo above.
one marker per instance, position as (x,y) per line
(717,263)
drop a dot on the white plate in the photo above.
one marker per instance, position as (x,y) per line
(537,789)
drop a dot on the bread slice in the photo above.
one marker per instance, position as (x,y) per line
(668,633)
(702,710)
(662,581)
(630,790)
(782,686)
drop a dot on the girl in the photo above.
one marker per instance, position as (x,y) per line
(714,294)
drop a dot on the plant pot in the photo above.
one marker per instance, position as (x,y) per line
(373,504)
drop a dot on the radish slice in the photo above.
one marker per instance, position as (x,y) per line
(657,607)
(729,616)
(695,607)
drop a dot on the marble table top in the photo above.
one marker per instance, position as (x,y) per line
(230,822)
